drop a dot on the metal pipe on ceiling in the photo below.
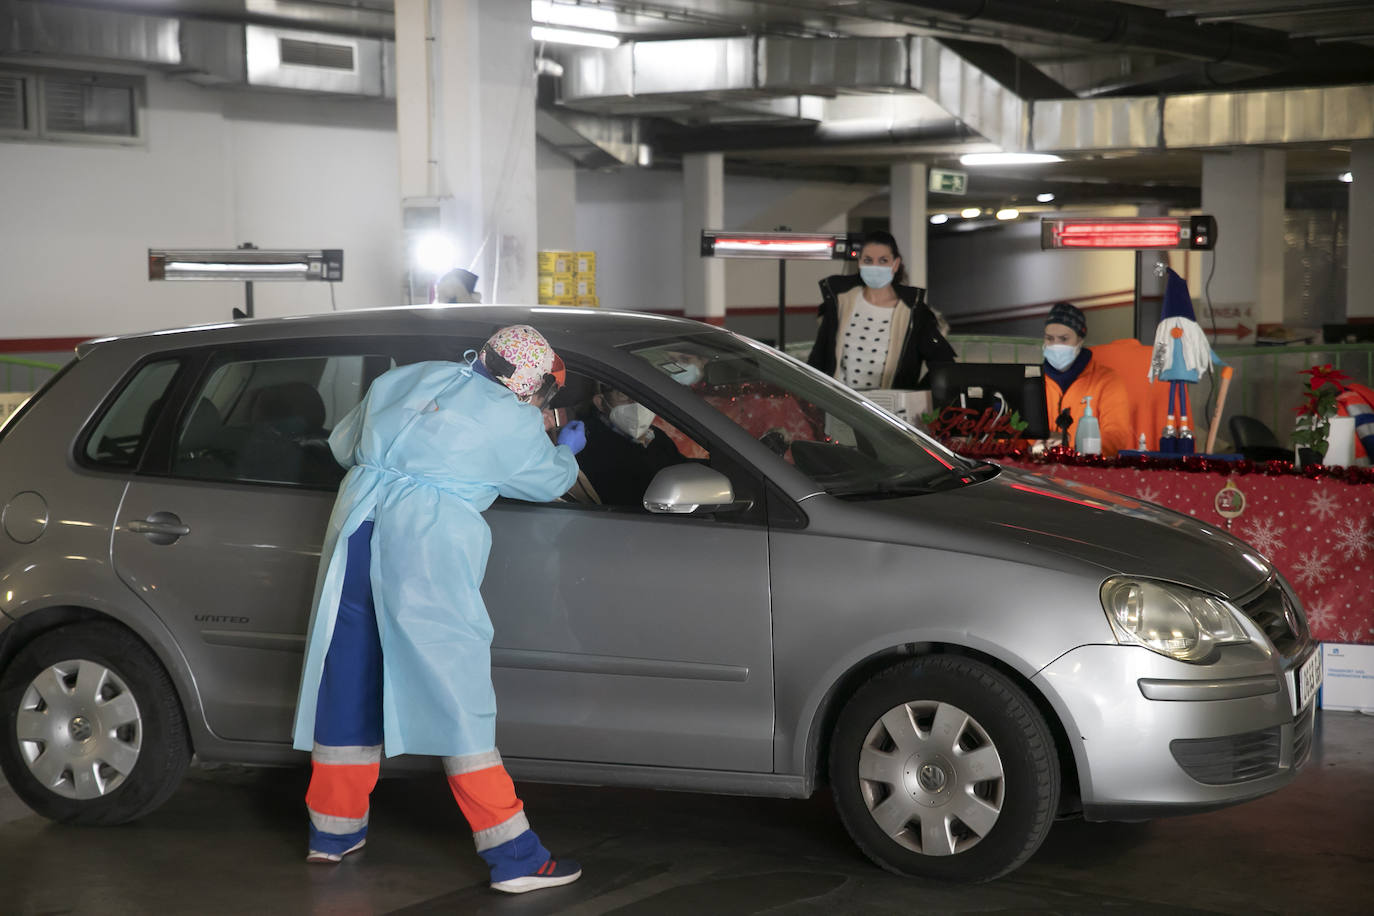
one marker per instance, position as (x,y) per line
(1249,13)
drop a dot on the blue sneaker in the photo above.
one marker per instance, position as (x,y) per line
(553,873)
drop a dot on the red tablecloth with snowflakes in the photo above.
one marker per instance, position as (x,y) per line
(1319,533)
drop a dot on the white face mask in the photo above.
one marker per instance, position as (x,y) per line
(686,374)
(1061,356)
(633,420)
(875,276)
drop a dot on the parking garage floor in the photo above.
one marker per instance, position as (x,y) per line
(232,841)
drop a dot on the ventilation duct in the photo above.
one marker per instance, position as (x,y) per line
(592,141)
(719,76)
(263,57)
(314,61)
(70,34)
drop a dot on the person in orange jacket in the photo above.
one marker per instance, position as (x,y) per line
(1071,375)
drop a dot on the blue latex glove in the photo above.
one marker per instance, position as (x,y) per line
(574,436)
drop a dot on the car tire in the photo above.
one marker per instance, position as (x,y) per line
(942,767)
(93,730)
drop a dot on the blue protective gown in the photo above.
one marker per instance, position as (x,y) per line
(429,448)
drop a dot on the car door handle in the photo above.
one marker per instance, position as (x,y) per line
(161,528)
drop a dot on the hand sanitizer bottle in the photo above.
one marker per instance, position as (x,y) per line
(1089,438)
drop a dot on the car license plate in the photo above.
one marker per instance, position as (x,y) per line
(1307,679)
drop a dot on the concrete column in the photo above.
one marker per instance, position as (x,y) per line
(1244,190)
(465,129)
(1359,296)
(703,207)
(908,194)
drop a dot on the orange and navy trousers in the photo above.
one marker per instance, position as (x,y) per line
(348,745)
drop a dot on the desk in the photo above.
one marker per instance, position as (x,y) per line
(1319,533)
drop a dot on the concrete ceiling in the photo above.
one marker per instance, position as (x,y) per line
(1072,50)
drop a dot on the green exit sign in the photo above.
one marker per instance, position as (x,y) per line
(945,181)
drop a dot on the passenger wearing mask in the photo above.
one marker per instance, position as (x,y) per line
(875,331)
(624,451)
(429,447)
(1071,374)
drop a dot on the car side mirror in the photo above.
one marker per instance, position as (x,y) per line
(686,489)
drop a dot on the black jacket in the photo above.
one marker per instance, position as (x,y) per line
(924,342)
(620,469)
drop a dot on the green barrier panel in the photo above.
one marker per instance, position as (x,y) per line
(31,372)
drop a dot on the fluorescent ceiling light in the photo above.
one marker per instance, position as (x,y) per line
(970,212)
(1044,198)
(574,37)
(1008,213)
(578,16)
(1008,158)
(939,219)
(1347,177)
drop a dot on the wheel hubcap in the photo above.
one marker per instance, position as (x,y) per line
(79,729)
(931,777)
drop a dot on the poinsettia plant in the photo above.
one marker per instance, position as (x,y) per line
(1324,385)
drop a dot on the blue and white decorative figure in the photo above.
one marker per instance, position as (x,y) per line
(1181,357)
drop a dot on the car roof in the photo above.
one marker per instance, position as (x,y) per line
(599,326)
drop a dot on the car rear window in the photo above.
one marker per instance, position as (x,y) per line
(119,437)
(269,420)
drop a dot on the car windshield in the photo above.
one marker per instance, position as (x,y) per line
(846,444)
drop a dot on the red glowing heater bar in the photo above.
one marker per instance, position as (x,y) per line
(1131,233)
(778,246)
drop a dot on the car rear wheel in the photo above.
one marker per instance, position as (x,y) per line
(942,767)
(93,730)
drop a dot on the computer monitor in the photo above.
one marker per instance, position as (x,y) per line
(1020,386)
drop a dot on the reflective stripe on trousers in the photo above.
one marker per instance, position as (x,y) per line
(348,745)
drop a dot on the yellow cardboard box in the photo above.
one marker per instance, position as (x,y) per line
(589,302)
(556,262)
(584,286)
(585,262)
(557,286)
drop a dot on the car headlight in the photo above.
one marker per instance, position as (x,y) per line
(1170,619)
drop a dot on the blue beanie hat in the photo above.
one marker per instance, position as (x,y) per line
(1069,316)
(1177,302)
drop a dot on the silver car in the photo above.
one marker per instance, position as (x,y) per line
(816,593)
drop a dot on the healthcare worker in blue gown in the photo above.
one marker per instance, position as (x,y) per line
(398,656)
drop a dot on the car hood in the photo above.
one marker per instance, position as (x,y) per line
(1018,515)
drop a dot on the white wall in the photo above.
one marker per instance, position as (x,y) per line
(218,168)
(556,196)
(632,219)
(990,274)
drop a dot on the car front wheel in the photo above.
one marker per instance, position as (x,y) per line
(93,729)
(943,768)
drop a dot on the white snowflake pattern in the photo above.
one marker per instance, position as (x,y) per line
(1312,567)
(1319,615)
(1264,535)
(1148,494)
(1352,537)
(1322,505)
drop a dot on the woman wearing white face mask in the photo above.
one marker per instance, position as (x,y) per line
(875,331)
(623,451)
(1071,374)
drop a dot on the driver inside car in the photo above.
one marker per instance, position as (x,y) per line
(624,451)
